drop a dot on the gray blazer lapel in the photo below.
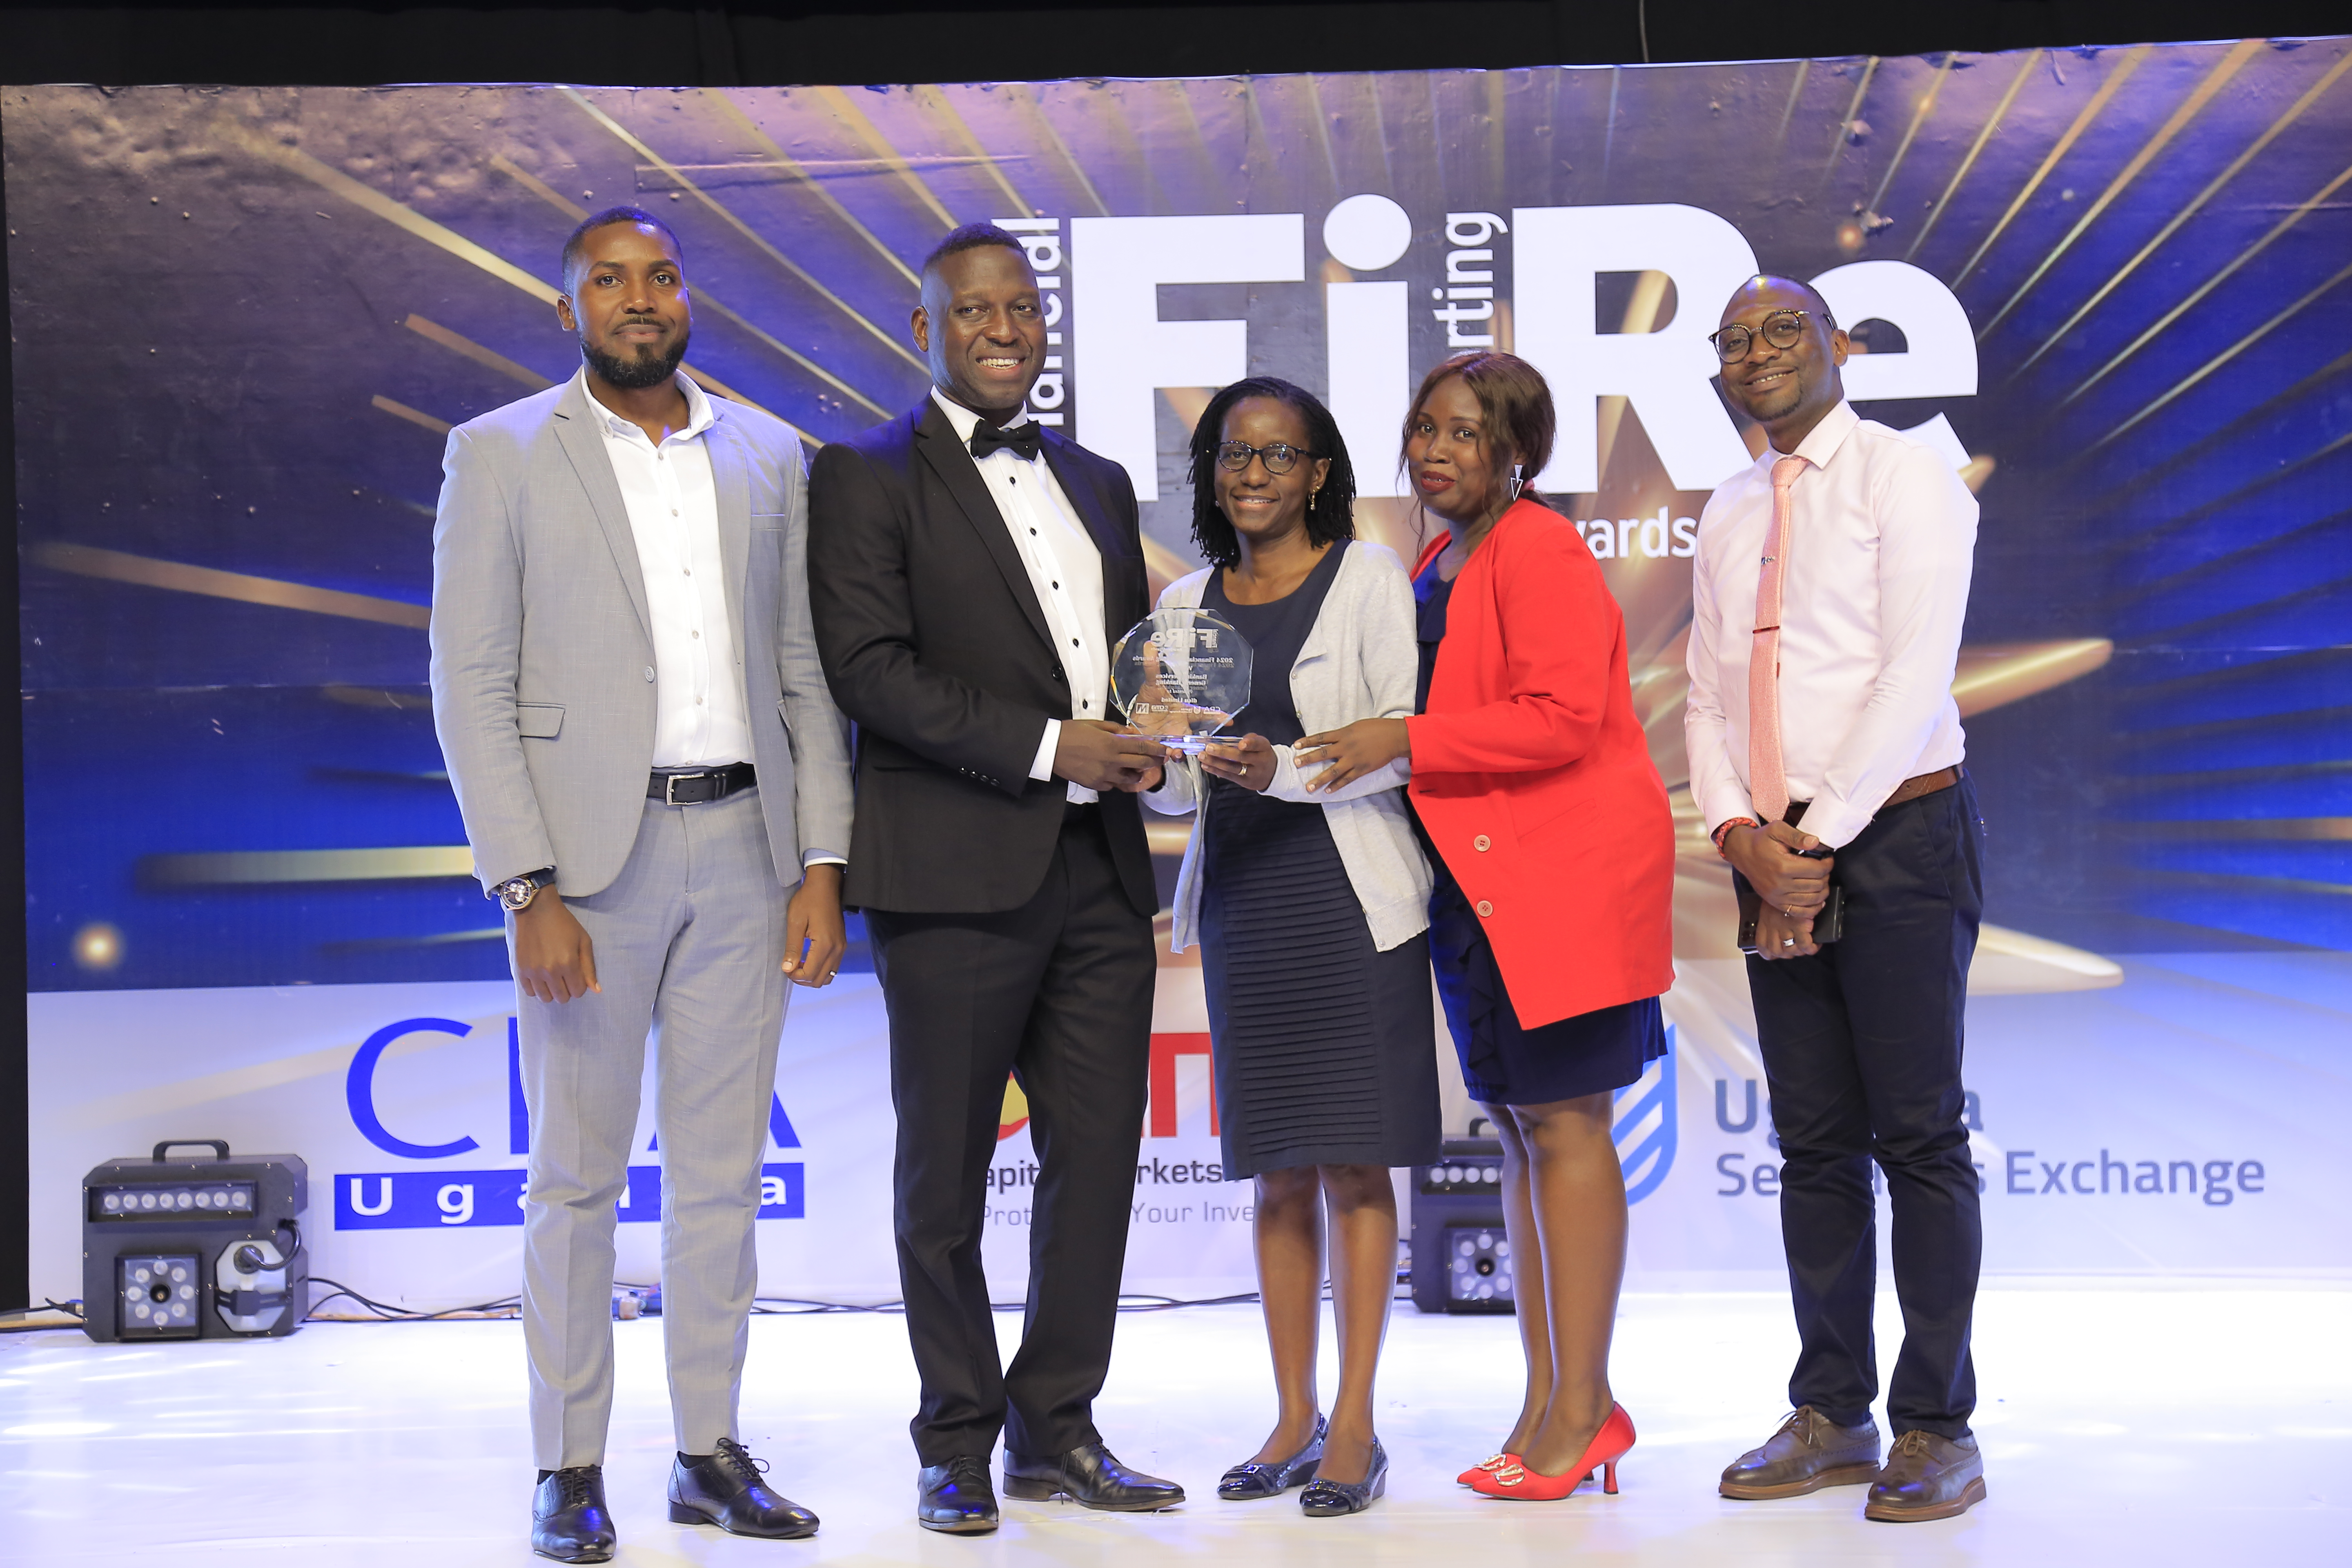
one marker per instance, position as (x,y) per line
(583,444)
(731,480)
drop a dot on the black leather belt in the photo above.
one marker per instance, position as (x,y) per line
(695,789)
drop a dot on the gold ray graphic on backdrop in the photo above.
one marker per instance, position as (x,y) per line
(146,572)
(2131,62)
(1984,134)
(2196,296)
(880,148)
(2194,105)
(2195,205)
(262,867)
(417,416)
(490,358)
(1997,674)
(1838,137)
(937,104)
(2225,357)
(1919,117)
(729,111)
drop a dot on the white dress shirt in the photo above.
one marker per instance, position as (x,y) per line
(700,719)
(1064,568)
(1881,537)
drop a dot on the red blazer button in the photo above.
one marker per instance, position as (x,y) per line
(1484,909)
(1481,844)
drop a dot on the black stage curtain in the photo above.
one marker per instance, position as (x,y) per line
(929,41)
(956,40)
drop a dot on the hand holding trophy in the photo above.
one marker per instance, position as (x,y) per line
(1180,675)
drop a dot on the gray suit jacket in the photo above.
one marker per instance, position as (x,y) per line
(543,661)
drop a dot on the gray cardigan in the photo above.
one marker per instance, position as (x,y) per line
(1359,661)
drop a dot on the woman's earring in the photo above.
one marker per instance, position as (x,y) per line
(1517,484)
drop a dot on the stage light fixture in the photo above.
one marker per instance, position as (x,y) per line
(184,1249)
(1461,1258)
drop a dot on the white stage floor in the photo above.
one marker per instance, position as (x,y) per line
(2149,1427)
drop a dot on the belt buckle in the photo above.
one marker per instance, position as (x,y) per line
(670,788)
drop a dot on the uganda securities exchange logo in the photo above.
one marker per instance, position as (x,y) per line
(1644,1129)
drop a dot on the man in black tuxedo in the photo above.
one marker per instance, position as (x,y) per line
(969,575)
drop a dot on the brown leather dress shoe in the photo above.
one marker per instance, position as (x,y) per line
(1809,1452)
(1926,1477)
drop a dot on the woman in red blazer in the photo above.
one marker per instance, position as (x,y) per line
(1552,921)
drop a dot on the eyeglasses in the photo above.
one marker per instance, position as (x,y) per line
(1781,329)
(1280,457)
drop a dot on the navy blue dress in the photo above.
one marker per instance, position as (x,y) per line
(1322,1042)
(1502,1063)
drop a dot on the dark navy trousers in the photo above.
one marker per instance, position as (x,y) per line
(1861,1046)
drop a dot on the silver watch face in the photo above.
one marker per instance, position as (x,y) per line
(518,893)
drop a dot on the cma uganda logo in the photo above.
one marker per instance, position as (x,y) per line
(443,1198)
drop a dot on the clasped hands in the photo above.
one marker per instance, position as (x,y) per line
(1793,886)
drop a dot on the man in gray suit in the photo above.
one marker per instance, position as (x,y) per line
(656,784)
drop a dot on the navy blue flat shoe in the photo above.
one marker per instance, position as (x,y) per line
(1247,1483)
(1327,1499)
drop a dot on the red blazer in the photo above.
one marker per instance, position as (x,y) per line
(1534,779)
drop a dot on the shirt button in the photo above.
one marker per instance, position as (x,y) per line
(1074,642)
(1484,909)
(698,702)
(649,672)
(1481,844)
(689,570)
(698,637)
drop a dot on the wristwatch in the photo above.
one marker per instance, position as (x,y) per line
(515,894)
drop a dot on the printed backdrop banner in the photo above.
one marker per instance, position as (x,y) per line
(2108,285)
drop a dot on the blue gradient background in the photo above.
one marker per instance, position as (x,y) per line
(200,330)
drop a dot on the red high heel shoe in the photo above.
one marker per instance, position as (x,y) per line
(1514,1480)
(1485,1467)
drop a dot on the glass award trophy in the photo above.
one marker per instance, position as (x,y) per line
(1181,674)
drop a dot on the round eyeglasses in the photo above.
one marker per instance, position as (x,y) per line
(1280,457)
(1781,330)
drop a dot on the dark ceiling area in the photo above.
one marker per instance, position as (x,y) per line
(947,40)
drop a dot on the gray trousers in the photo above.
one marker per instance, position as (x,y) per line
(688,943)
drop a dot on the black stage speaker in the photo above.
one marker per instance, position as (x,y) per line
(187,1249)
(1461,1259)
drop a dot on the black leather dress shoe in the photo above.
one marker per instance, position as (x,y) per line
(1088,1475)
(568,1520)
(725,1489)
(955,1498)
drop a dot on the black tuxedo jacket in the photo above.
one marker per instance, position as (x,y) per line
(935,645)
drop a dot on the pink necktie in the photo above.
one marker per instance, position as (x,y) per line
(1768,779)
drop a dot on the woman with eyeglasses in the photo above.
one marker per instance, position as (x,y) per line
(1309,905)
(1552,925)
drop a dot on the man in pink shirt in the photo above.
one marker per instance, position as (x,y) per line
(1828,594)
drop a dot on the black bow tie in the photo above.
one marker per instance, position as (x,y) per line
(1021,440)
